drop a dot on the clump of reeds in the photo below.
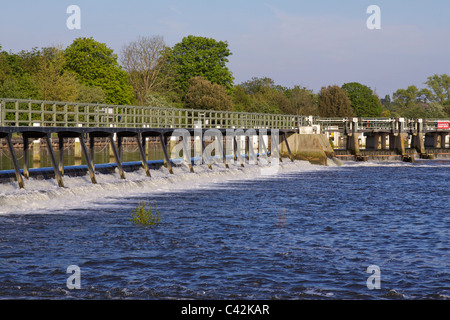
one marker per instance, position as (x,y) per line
(142,215)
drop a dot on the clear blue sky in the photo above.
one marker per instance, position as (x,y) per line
(309,43)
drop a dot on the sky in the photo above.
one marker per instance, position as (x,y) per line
(294,42)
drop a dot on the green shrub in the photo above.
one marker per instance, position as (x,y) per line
(141,215)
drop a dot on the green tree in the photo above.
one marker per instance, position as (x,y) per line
(303,101)
(200,56)
(440,87)
(54,82)
(404,98)
(20,87)
(96,66)
(334,102)
(90,94)
(363,100)
(203,94)
(243,102)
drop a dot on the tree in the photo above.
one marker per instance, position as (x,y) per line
(96,66)
(405,97)
(144,61)
(256,85)
(440,87)
(200,56)
(243,102)
(303,101)
(203,94)
(90,94)
(334,102)
(54,82)
(20,87)
(363,100)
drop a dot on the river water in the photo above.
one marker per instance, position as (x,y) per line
(301,232)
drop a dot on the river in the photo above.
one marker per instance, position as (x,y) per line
(372,230)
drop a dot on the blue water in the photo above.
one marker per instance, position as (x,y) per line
(307,232)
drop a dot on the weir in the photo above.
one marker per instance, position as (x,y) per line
(216,133)
(219,139)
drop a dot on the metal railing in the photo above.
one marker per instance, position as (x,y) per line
(22,112)
(17,112)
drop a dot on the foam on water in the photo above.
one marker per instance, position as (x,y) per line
(45,197)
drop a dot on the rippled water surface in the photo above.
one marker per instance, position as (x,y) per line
(307,232)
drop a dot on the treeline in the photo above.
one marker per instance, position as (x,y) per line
(194,74)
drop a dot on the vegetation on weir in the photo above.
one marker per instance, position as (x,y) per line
(194,74)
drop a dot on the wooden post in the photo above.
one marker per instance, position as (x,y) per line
(205,157)
(187,155)
(287,147)
(61,155)
(53,160)
(89,162)
(116,156)
(26,157)
(166,155)
(14,160)
(142,151)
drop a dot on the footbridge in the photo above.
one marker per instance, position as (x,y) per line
(55,122)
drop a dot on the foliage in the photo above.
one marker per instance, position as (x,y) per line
(303,101)
(161,100)
(144,60)
(55,83)
(363,100)
(413,102)
(440,88)
(199,56)
(334,102)
(96,66)
(89,94)
(20,87)
(143,216)
(263,95)
(203,94)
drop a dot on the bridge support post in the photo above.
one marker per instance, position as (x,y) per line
(116,156)
(53,160)
(353,144)
(431,140)
(443,136)
(14,160)
(187,153)
(383,141)
(61,155)
(139,140)
(237,151)
(89,162)
(418,143)
(205,157)
(91,148)
(274,144)
(397,142)
(167,164)
(285,140)
(250,151)
(373,141)
(26,156)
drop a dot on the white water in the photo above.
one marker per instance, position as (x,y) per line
(46,197)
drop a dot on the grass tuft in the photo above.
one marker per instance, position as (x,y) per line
(142,215)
